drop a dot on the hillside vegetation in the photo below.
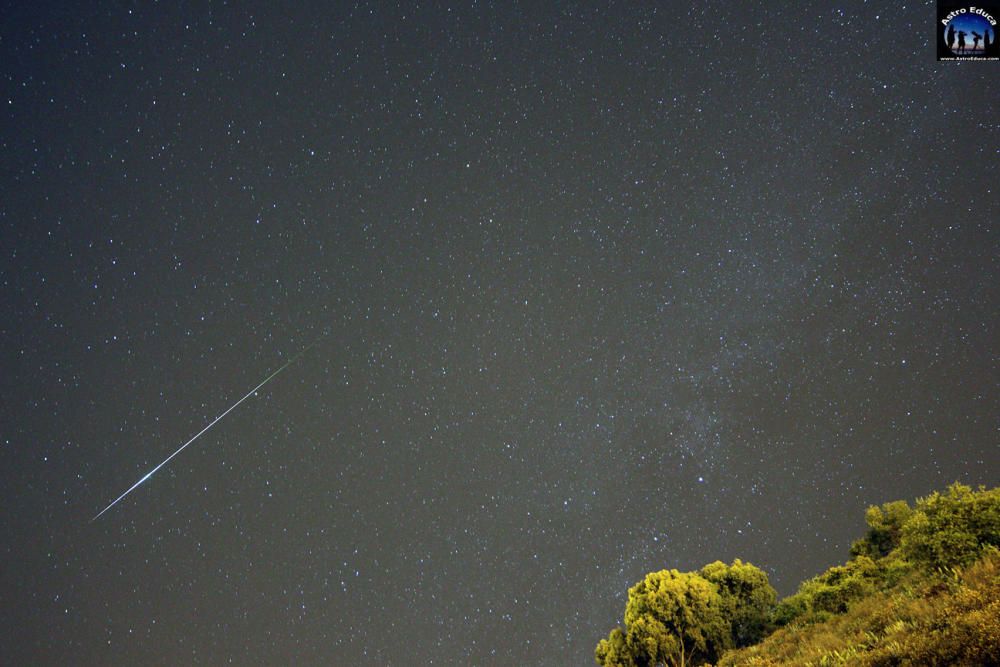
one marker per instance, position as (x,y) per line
(922,587)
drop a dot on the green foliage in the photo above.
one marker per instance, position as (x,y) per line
(675,618)
(688,618)
(831,592)
(836,588)
(922,588)
(885,527)
(917,622)
(747,598)
(893,569)
(951,529)
(791,608)
(614,651)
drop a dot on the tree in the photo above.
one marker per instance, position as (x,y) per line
(614,651)
(835,590)
(951,529)
(747,599)
(675,618)
(791,608)
(672,618)
(885,529)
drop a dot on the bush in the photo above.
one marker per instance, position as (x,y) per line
(747,599)
(885,527)
(922,588)
(689,617)
(791,609)
(671,618)
(951,529)
(831,592)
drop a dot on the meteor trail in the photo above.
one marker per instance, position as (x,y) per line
(202,431)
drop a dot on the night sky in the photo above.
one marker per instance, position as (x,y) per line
(596,291)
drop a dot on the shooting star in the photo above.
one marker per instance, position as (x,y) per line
(202,431)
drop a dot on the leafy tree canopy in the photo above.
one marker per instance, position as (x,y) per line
(946,544)
(747,598)
(885,527)
(951,529)
(688,618)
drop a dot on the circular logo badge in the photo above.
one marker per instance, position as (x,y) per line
(968,34)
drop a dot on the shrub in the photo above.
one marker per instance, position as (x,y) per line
(790,609)
(885,527)
(747,598)
(951,529)
(671,618)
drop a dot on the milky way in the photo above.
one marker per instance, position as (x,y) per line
(608,289)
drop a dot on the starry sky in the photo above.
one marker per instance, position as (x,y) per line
(596,289)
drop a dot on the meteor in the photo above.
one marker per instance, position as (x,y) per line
(202,431)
